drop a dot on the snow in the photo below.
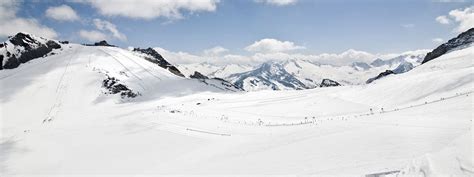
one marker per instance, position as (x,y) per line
(453,160)
(180,126)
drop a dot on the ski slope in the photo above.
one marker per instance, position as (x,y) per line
(56,121)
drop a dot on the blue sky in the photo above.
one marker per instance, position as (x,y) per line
(320,26)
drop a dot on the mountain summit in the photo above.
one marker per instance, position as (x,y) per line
(462,40)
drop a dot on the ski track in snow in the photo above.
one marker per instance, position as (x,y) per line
(61,90)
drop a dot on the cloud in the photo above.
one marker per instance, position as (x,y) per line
(92,35)
(107,26)
(443,20)
(437,40)
(345,58)
(149,9)
(277,2)
(465,18)
(215,51)
(409,25)
(339,59)
(62,13)
(11,24)
(272,46)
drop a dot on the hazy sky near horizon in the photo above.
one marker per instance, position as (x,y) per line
(245,27)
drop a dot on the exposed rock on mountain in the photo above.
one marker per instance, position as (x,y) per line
(381,75)
(269,75)
(22,48)
(198,75)
(114,87)
(154,57)
(329,83)
(402,68)
(462,40)
(103,43)
(215,82)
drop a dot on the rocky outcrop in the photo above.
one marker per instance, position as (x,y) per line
(381,75)
(114,87)
(402,68)
(462,40)
(22,48)
(329,83)
(198,75)
(103,43)
(154,57)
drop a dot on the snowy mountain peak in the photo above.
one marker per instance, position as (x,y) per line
(24,47)
(153,56)
(463,40)
(269,75)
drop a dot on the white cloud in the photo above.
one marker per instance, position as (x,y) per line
(277,2)
(409,25)
(92,35)
(215,51)
(465,18)
(62,13)
(344,58)
(443,20)
(11,24)
(149,9)
(437,40)
(107,26)
(272,46)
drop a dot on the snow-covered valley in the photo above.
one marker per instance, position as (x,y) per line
(64,115)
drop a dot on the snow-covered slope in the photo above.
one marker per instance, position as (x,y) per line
(56,120)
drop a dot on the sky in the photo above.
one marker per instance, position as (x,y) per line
(252,30)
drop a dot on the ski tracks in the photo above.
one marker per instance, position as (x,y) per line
(61,90)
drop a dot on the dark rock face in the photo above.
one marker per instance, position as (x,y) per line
(329,83)
(1,62)
(198,75)
(156,58)
(402,68)
(32,49)
(103,43)
(461,40)
(383,74)
(114,87)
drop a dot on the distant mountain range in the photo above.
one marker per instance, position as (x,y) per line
(292,74)
(296,74)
